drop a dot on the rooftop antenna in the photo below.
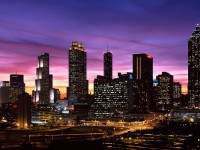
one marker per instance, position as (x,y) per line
(107,47)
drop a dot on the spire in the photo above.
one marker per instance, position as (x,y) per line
(197,27)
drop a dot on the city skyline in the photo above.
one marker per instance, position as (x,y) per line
(160,29)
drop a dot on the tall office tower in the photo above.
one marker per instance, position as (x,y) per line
(17,86)
(164,101)
(43,83)
(108,65)
(194,68)
(78,84)
(113,98)
(143,76)
(176,95)
(24,110)
(4,92)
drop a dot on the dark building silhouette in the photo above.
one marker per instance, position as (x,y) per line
(17,86)
(4,92)
(143,76)
(8,111)
(164,101)
(44,81)
(78,83)
(108,65)
(194,67)
(24,110)
(184,100)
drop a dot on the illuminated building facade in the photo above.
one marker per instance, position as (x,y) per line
(54,95)
(155,91)
(44,80)
(194,67)
(108,65)
(17,86)
(113,98)
(78,83)
(4,92)
(143,77)
(44,113)
(24,110)
(164,101)
(176,95)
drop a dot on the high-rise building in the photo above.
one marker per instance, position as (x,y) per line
(164,101)
(44,81)
(176,95)
(78,84)
(143,76)
(4,92)
(24,110)
(108,65)
(17,86)
(113,98)
(194,68)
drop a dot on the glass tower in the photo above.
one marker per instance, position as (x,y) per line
(43,82)
(194,67)
(78,84)
(143,76)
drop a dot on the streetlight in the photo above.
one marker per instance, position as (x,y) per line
(18,125)
(25,125)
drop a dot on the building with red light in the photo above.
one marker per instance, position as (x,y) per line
(143,77)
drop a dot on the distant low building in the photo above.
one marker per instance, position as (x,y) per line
(189,115)
(44,113)
(4,92)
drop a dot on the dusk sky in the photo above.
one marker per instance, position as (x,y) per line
(160,28)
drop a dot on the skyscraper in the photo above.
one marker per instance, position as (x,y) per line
(143,76)
(143,67)
(194,67)
(164,101)
(17,86)
(108,65)
(43,82)
(78,84)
